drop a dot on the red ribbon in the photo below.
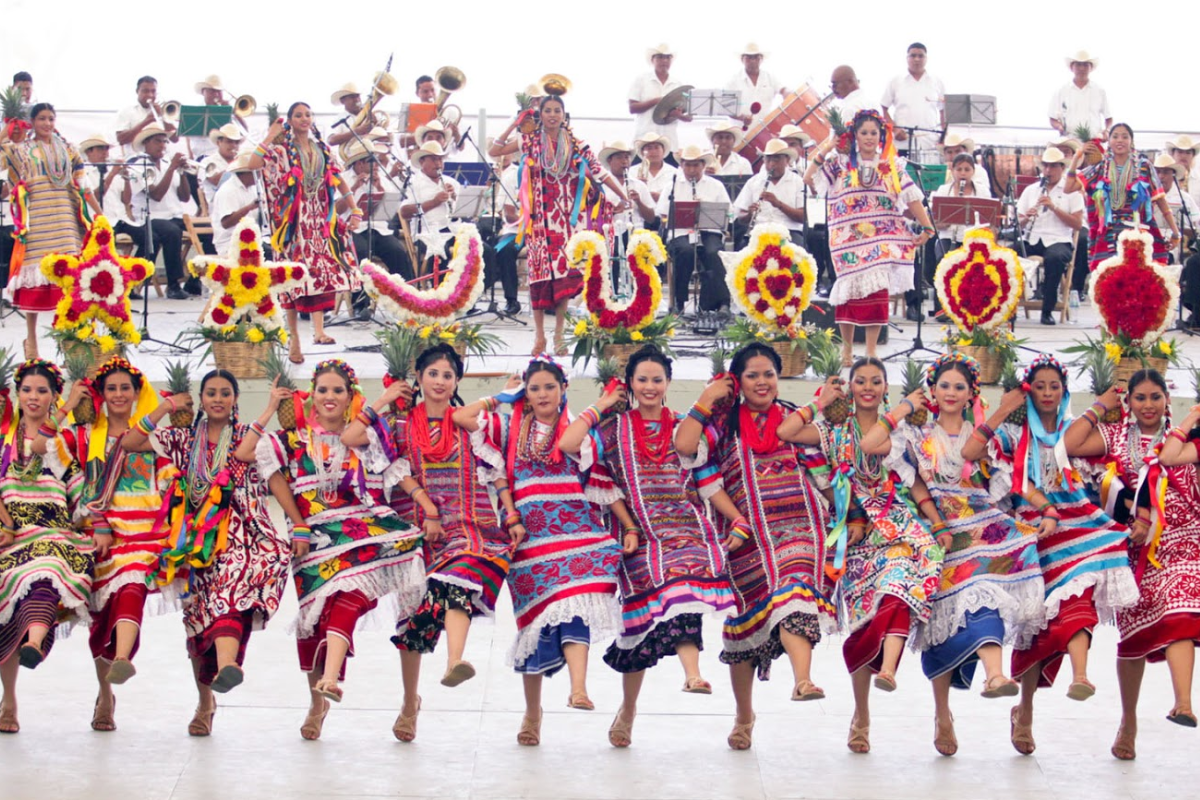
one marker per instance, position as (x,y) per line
(298,398)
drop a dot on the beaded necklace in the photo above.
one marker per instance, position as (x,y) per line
(535,441)
(204,468)
(653,447)
(433,439)
(1134,440)
(1117,182)
(25,471)
(312,164)
(760,429)
(328,456)
(54,160)
(555,154)
(869,468)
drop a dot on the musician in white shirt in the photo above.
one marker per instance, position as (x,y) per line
(1049,216)
(213,92)
(723,136)
(1183,149)
(227,139)
(1183,207)
(1082,101)
(848,97)
(507,249)
(237,198)
(653,169)
(367,187)
(754,87)
(132,120)
(168,193)
(645,93)
(435,131)
(915,99)
(639,211)
(691,248)
(775,196)
(960,183)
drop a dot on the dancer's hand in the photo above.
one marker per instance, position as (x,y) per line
(299,548)
(432,529)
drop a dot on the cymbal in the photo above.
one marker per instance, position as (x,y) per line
(676,98)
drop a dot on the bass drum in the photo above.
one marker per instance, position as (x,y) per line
(802,108)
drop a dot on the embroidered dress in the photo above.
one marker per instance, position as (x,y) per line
(310,241)
(563,578)
(678,573)
(779,573)
(121,581)
(1085,562)
(240,591)
(466,566)
(869,241)
(892,572)
(50,174)
(991,586)
(360,551)
(1168,609)
(1113,196)
(46,573)
(554,200)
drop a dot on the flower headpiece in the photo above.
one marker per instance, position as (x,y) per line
(24,369)
(116,364)
(1043,360)
(941,361)
(342,367)
(546,358)
(887,148)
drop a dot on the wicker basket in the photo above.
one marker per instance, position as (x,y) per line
(243,359)
(989,362)
(96,357)
(795,360)
(619,352)
(1127,366)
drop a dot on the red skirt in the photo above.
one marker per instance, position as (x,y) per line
(1050,645)
(202,647)
(339,616)
(311,304)
(1151,643)
(125,605)
(862,311)
(548,294)
(39,298)
(864,647)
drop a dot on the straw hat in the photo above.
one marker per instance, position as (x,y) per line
(211,82)
(661,49)
(346,90)
(1052,155)
(610,150)
(153,129)
(355,152)
(695,153)
(778,147)
(1082,56)
(95,140)
(432,125)
(954,140)
(242,163)
(1182,142)
(751,49)
(790,131)
(1066,143)
(427,149)
(724,126)
(651,138)
(226,131)
(1164,161)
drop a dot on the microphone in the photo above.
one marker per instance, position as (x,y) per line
(962,186)
(342,122)
(466,135)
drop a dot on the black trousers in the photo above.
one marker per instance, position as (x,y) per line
(168,240)
(1055,259)
(504,270)
(703,257)
(1080,275)
(6,249)
(384,248)
(1191,283)
(816,242)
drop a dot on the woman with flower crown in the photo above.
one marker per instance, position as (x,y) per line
(883,558)
(302,182)
(869,190)
(221,544)
(775,528)
(674,569)
(1150,478)
(45,563)
(563,577)
(991,586)
(1084,563)
(349,550)
(467,551)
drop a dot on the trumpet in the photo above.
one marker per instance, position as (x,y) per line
(168,112)
(449,80)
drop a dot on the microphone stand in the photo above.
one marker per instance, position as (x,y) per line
(493,182)
(671,233)
(143,164)
(918,345)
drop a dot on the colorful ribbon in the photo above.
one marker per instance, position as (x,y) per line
(195,539)
(838,534)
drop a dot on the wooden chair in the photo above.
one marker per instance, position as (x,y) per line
(1064,289)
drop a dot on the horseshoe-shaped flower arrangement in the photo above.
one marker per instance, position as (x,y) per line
(459,288)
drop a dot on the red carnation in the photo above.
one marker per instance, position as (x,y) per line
(220,274)
(249,279)
(297,273)
(265,307)
(102,284)
(761,306)
(278,275)
(137,273)
(246,236)
(227,300)
(72,315)
(220,315)
(60,268)
(784,320)
(103,238)
(751,285)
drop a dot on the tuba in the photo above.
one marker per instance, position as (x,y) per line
(449,80)
(551,84)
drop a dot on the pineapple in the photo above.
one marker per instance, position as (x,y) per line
(606,370)
(1084,134)
(1009,380)
(841,136)
(77,362)
(275,367)
(914,378)
(1102,373)
(399,351)
(8,363)
(10,103)
(718,363)
(179,381)
(827,363)
(272,115)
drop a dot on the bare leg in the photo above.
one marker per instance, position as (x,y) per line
(37,634)
(741,675)
(576,655)
(1129,679)
(847,331)
(227,650)
(316,703)
(104,700)
(992,658)
(539,328)
(336,649)
(1029,684)
(318,321)
(127,633)
(293,324)
(31,342)
(1181,659)
(799,652)
(206,706)
(457,624)
(1077,650)
(8,706)
(872,337)
(860,723)
(689,656)
(944,740)
(533,695)
(631,687)
(560,319)
(893,648)
(410,673)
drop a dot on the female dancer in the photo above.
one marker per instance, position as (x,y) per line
(872,250)
(46,172)
(563,577)
(776,531)
(886,560)
(466,551)
(674,569)
(239,588)
(991,586)
(1165,622)
(1084,561)
(302,180)
(121,499)
(557,178)
(348,548)
(44,562)
(1123,184)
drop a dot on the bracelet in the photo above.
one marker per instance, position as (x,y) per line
(938,527)
(171,400)
(819,159)
(145,425)
(434,517)
(1177,433)
(259,428)
(301,532)
(921,503)
(740,529)
(592,415)
(888,423)
(927,229)
(699,413)
(1072,172)
(413,493)
(912,407)
(1052,514)
(1090,417)
(1099,408)
(633,527)
(260,151)
(986,430)
(490,404)
(47,430)
(363,418)
(856,515)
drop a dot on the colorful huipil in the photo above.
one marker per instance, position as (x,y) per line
(360,551)
(302,193)
(1085,561)
(240,590)
(779,575)
(558,176)
(1114,194)
(563,577)
(122,495)
(678,572)
(1167,567)
(991,588)
(466,566)
(892,573)
(46,573)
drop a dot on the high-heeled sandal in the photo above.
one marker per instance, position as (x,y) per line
(885,682)
(530,734)
(121,670)
(1019,734)
(1123,747)
(202,721)
(104,723)
(8,721)
(1000,686)
(620,733)
(405,727)
(947,745)
(807,690)
(228,677)
(294,354)
(581,701)
(742,735)
(460,672)
(859,740)
(329,690)
(313,723)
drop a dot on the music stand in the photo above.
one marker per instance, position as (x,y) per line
(468,173)
(712,215)
(417,114)
(199,120)
(714,103)
(968,211)
(733,183)
(384,206)
(468,205)
(686,214)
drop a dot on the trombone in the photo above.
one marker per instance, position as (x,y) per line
(449,80)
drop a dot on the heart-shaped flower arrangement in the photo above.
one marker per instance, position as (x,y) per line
(772,279)
(980,283)
(1136,295)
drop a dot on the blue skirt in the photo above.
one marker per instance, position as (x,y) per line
(548,658)
(957,654)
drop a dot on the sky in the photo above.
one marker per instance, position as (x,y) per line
(1001,51)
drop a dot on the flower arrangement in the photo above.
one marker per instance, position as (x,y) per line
(772,279)
(1120,348)
(589,340)
(743,331)
(980,283)
(1135,295)
(457,291)
(466,338)
(96,286)
(999,342)
(244,288)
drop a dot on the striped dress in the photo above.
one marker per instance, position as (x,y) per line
(678,573)
(563,578)
(46,573)
(779,574)
(1085,562)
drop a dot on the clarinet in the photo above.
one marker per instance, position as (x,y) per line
(1033,218)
